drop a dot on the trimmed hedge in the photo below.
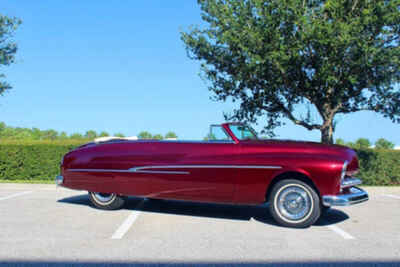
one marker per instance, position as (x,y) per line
(34,160)
(379,167)
(40,160)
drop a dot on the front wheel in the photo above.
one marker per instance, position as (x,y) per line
(106,201)
(294,203)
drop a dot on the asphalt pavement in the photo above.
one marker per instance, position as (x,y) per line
(41,225)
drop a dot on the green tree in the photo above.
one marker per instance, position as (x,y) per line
(76,136)
(90,134)
(331,56)
(119,135)
(340,141)
(362,143)
(171,135)
(22,134)
(36,134)
(49,134)
(8,133)
(158,137)
(103,134)
(63,136)
(2,126)
(209,137)
(145,135)
(8,48)
(382,143)
(351,144)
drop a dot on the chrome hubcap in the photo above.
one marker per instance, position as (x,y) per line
(294,203)
(103,197)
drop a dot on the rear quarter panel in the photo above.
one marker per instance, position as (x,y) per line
(207,184)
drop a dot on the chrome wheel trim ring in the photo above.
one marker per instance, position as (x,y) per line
(293,203)
(103,198)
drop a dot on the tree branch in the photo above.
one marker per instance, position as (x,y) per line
(291,117)
(350,110)
(354,5)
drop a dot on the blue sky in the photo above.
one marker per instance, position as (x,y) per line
(120,66)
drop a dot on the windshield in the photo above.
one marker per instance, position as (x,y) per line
(243,132)
(217,133)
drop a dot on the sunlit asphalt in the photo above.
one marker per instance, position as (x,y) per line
(44,226)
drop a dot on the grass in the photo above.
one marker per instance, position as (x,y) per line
(20,181)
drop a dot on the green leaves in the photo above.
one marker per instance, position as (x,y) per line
(90,134)
(8,133)
(382,143)
(148,135)
(32,160)
(341,56)
(145,135)
(171,135)
(8,48)
(379,167)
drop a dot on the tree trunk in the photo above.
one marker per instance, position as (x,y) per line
(327,133)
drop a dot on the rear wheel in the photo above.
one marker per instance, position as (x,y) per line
(294,203)
(106,201)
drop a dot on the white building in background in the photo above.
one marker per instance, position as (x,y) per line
(397,147)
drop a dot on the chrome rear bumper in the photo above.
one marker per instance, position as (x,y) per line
(353,195)
(59,180)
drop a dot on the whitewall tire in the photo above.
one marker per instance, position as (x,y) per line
(294,203)
(106,201)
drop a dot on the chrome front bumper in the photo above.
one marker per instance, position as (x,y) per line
(59,180)
(350,182)
(352,195)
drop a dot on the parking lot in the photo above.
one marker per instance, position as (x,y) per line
(42,225)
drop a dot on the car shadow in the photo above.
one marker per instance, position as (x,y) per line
(259,213)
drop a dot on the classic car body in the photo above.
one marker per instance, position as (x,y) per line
(226,169)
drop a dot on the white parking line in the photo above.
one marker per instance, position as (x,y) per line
(126,225)
(124,228)
(340,232)
(16,195)
(392,196)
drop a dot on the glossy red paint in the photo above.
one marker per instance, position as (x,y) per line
(226,172)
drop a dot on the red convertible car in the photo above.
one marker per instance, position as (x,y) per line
(298,179)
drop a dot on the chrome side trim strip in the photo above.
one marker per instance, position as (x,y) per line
(97,170)
(129,170)
(136,169)
(147,169)
(161,172)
